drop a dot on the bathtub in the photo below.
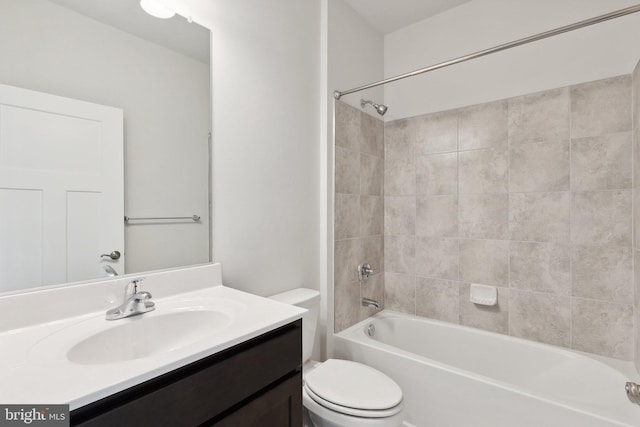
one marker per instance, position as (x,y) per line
(454,376)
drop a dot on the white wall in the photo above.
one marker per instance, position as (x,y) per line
(266,61)
(604,50)
(356,54)
(48,48)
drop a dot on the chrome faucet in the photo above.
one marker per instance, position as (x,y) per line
(365,271)
(135,302)
(633,392)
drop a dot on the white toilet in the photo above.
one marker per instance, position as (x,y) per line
(341,393)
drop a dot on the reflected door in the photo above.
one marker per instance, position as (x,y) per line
(61,189)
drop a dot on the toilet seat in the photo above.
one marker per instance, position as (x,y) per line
(354,389)
(362,413)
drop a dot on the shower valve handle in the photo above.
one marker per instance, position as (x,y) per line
(365,271)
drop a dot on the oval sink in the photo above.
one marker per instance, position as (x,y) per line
(144,336)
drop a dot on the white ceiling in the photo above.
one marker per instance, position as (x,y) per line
(127,15)
(387,16)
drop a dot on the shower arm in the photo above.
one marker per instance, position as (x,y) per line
(575,26)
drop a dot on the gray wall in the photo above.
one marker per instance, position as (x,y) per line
(636,207)
(358,213)
(530,194)
(48,48)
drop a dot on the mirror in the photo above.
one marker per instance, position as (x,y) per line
(90,60)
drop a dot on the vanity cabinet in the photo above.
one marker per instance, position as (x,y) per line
(255,383)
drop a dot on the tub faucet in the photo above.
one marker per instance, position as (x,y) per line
(368,302)
(633,392)
(135,302)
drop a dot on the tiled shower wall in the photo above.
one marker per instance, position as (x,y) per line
(531,194)
(359,167)
(636,206)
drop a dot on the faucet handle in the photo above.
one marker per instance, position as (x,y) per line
(132,287)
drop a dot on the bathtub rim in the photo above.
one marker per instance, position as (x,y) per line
(625,368)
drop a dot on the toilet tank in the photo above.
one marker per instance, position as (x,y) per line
(309,299)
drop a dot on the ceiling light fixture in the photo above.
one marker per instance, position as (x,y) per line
(156,8)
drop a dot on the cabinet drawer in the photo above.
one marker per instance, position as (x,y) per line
(203,390)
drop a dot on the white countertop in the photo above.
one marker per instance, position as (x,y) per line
(34,367)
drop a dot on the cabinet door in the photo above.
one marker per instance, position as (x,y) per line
(280,406)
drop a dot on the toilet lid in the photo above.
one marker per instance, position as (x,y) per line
(363,413)
(353,385)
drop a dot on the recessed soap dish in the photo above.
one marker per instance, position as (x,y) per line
(483,294)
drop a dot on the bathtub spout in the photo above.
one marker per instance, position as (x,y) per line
(633,392)
(368,302)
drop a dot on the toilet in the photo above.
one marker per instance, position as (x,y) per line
(341,393)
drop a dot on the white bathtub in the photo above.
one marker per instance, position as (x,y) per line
(454,376)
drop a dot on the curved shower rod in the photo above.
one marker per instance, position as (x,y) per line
(575,26)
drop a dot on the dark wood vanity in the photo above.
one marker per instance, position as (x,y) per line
(255,383)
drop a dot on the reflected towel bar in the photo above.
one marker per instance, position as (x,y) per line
(194,218)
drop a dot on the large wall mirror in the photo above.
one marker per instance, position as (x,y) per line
(104,114)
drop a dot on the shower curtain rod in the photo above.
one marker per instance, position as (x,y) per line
(581,24)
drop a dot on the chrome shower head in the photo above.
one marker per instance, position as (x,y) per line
(380,109)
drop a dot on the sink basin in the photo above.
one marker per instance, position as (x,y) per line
(146,336)
(174,325)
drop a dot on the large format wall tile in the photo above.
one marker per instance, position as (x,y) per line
(539,166)
(483,171)
(601,107)
(399,215)
(540,317)
(483,126)
(400,254)
(542,267)
(603,272)
(347,220)
(372,132)
(347,255)
(371,178)
(636,208)
(437,174)
(601,217)
(437,216)
(371,216)
(603,328)
(346,297)
(348,132)
(358,211)
(435,133)
(539,217)
(539,117)
(601,163)
(347,171)
(437,257)
(400,292)
(437,299)
(485,261)
(483,216)
(533,195)
(400,171)
(373,251)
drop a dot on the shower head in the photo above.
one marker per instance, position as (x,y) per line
(380,109)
